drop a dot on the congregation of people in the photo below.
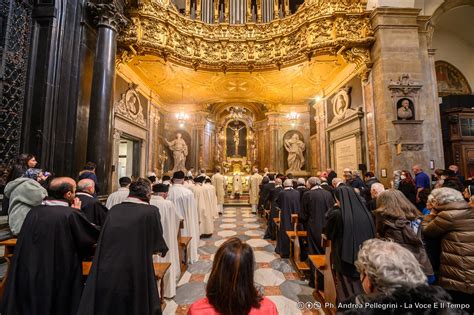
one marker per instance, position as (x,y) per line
(410,242)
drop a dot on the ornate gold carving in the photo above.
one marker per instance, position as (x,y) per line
(320,27)
(130,107)
(107,14)
(360,56)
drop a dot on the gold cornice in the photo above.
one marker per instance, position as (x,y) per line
(320,27)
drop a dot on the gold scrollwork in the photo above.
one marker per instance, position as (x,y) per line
(319,27)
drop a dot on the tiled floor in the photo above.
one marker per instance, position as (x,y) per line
(274,277)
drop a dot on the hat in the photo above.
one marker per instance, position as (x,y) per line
(161,188)
(178,175)
(199,179)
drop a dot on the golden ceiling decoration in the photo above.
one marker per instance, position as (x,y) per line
(270,88)
(319,27)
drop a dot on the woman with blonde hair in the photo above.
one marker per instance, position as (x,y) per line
(230,289)
(399,220)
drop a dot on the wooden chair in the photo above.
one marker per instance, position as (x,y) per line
(159,268)
(322,263)
(9,245)
(301,267)
(183,243)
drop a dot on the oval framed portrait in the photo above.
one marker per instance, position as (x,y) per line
(340,103)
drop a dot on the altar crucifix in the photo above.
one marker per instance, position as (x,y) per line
(236,139)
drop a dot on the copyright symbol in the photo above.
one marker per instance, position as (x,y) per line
(300,305)
(317,305)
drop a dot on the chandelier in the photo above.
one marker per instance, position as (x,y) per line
(292,116)
(181,116)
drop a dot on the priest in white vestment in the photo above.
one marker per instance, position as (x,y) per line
(184,201)
(220,183)
(237,185)
(211,190)
(170,220)
(254,189)
(121,194)
(206,220)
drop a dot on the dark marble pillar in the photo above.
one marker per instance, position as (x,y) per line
(99,139)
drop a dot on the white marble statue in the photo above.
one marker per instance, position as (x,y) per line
(180,151)
(295,148)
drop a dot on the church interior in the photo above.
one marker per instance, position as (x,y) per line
(148,88)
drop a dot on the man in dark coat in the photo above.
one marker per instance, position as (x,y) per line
(266,192)
(92,208)
(271,227)
(122,278)
(289,202)
(45,276)
(315,203)
(89,172)
(301,187)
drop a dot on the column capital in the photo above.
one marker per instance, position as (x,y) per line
(107,14)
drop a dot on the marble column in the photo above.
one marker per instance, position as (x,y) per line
(402,68)
(99,140)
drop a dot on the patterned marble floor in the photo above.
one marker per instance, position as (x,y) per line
(274,277)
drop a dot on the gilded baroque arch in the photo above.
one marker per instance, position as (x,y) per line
(319,27)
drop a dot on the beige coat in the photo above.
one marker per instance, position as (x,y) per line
(219,182)
(454,224)
(254,188)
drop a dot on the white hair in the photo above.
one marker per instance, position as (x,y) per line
(313,181)
(336,181)
(300,181)
(288,183)
(278,181)
(377,188)
(445,195)
(388,265)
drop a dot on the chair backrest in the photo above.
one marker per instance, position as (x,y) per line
(330,294)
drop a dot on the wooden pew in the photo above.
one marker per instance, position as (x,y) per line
(183,243)
(159,268)
(9,245)
(301,266)
(322,263)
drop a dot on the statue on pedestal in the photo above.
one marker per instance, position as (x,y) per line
(295,148)
(180,152)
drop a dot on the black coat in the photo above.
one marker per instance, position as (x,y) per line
(408,190)
(314,206)
(93,209)
(289,202)
(122,279)
(45,276)
(270,232)
(266,195)
(348,227)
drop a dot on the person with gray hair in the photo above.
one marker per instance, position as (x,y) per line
(375,190)
(288,201)
(336,182)
(452,220)
(314,205)
(301,187)
(391,277)
(92,208)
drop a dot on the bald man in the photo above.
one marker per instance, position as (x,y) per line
(45,276)
(93,209)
